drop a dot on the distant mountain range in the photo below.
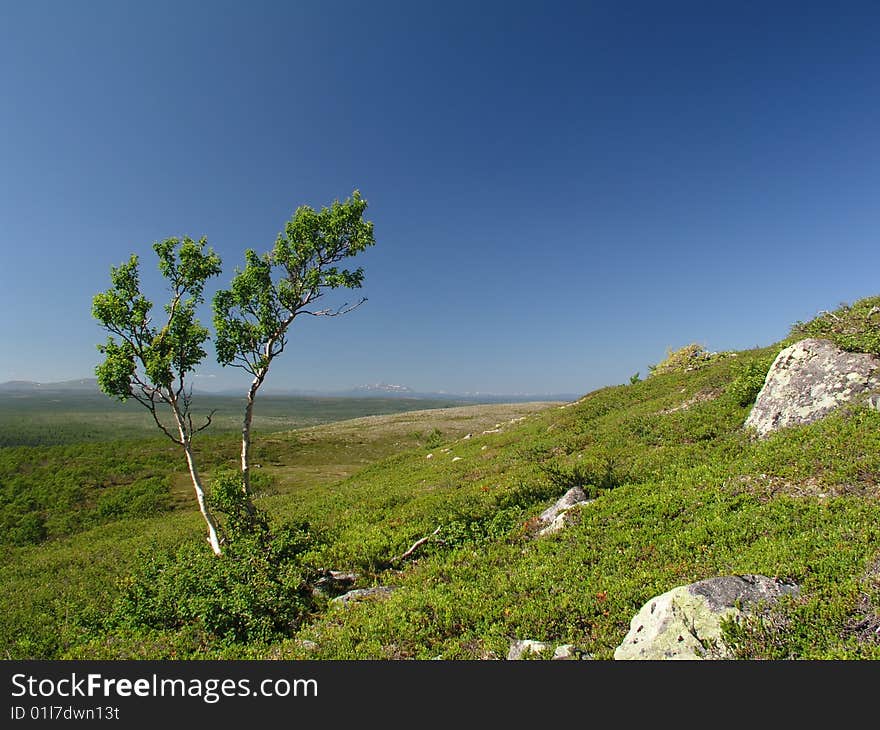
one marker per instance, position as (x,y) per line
(29,386)
(373,390)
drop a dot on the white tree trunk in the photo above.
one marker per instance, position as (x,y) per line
(246,443)
(246,434)
(186,442)
(213,537)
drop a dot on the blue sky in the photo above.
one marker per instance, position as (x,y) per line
(560,191)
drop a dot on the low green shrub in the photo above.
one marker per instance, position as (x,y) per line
(749,379)
(258,590)
(690,357)
(853,327)
(142,498)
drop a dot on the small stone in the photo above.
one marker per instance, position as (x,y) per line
(572,497)
(519,648)
(363,594)
(568,652)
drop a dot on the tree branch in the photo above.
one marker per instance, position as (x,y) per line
(344,309)
(207,421)
(149,402)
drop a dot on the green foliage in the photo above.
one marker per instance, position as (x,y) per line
(498,525)
(22,527)
(138,354)
(140,499)
(53,491)
(749,379)
(148,363)
(258,590)
(602,471)
(227,497)
(434,439)
(635,378)
(693,498)
(688,358)
(853,327)
(251,318)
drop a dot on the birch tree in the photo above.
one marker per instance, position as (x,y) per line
(253,316)
(150,361)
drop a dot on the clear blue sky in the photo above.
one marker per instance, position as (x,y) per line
(560,191)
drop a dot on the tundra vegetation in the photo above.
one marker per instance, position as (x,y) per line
(682,493)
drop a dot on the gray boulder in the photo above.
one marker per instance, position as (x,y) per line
(685,623)
(563,519)
(573,496)
(810,379)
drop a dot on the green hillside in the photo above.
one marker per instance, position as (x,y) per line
(682,493)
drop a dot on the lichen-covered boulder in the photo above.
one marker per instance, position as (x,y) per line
(685,623)
(810,379)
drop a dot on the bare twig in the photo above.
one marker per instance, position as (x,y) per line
(415,546)
(344,309)
(207,421)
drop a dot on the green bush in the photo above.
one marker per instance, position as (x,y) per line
(27,529)
(227,498)
(258,590)
(141,499)
(434,439)
(855,327)
(749,379)
(690,357)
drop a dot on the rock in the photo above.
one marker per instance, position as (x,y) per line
(430,456)
(874,402)
(456,458)
(562,520)
(519,648)
(363,594)
(685,623)
(569,652)
(572,497)
(334,581)
(306,644)
(807,381)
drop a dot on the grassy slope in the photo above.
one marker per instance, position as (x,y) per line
(687,495)
(54,594)
(694,498)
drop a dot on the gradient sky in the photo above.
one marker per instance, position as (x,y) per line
(560,191)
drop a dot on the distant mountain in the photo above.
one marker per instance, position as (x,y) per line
(89,385)
(383,389)
(373,390)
